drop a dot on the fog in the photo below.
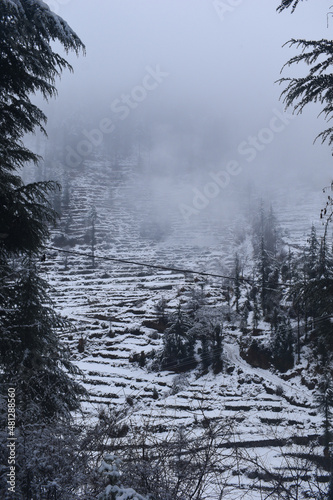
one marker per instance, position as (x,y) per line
(193,81)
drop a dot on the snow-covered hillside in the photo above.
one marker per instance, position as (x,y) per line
(112,308)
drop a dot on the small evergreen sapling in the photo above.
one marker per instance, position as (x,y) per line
(114,490)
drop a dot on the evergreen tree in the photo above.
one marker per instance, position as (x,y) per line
(266,240)
(282,347)
(28,64)
(311,255)
(31,355)
(32,359)
(263,271)
(66,197)
(271,233)
(237,290)
(256,310)
(245,315)
(197,300)
(91,234)
(30,351)
(178,343)
(325,404)
(307,268)
(52,462)
(312,295)
(217,350)
(205,354)
(114,490)
(287,267)
(316,86)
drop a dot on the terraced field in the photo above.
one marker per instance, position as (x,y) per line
(112,307)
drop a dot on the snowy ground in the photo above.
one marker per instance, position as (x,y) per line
(109,305)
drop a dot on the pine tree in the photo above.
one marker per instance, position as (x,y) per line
(205,355)
(217,348)
(237,272)
(311,256)
(245,315)
(28,64)
(31,355)
(91,235)
(282,347)
(316,86)
(325,404)
(178,343)
(31,351)
(32,358)
(114,490)
(271,232)
(312,295)
(266,240)
(256,310)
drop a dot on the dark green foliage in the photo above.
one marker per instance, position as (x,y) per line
(155,393)
(217,350)
(256,309)
(193,337)
(205,354)
(142,359)
(246,308)
(113,479)
(207,330)
(28,64)
(237,282)
(325,404)
(266,232)
(197,300)
(51,463)
(32,358)
(311,255)
(312,296)
(282,347)
(285,4)
(287,267)
(316,86)
(25,215)
(255,353)
(266,243)
(179,342)
(90,236)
